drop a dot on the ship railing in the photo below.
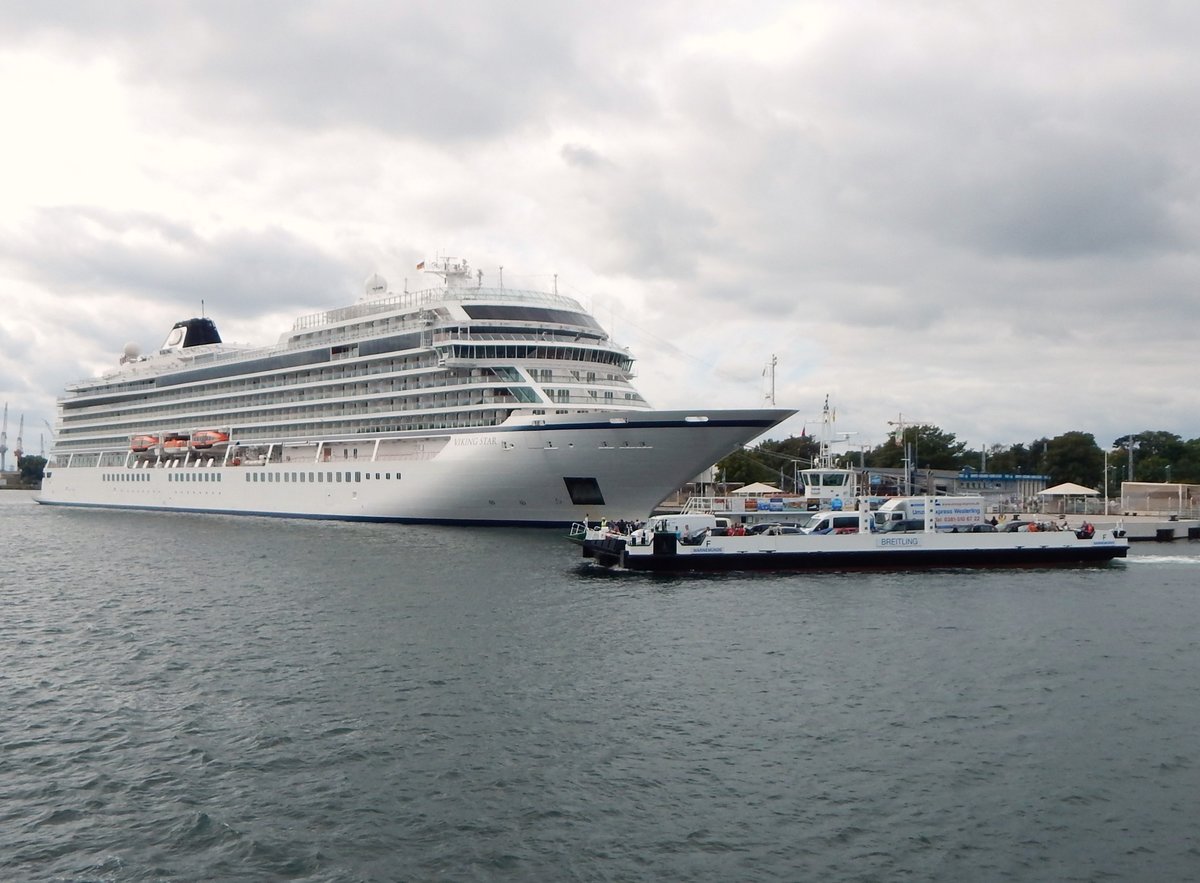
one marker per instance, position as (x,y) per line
(360,371)
(83,387)
(460,415)
(418,299)
(547,335)
(746,504)
(470,393)
(415,386)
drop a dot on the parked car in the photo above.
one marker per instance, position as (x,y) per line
(772,528)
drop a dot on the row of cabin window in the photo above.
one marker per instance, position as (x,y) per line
(318,477)
(172,476)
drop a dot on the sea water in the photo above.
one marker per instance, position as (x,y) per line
(192,697)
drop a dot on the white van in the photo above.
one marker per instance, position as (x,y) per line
(831,522)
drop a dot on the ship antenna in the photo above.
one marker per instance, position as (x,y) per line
(4,438)
(769,372)
(556,283)
(501,275)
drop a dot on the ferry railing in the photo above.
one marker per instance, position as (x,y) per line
(746,504)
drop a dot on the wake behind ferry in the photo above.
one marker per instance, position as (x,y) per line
(456,404)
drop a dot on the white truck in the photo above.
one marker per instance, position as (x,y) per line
(949,512)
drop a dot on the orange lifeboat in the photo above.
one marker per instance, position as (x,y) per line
(175,444)
(206,438)
(139,444)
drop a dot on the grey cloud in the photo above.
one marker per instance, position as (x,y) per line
(1059,197)
(583,157)
(459,72)
(962,193)
(95,252)
(658,234)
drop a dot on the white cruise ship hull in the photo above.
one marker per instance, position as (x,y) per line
(552,472)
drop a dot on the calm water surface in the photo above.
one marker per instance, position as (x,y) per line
(192,697)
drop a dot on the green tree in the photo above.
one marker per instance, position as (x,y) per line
(31,469)
(1002,459)
(743,467)
(1075,456)
(929,447)
(1016,459)
(803,448)
(772,461)
(889,455)
(1187,467)
(1154,451)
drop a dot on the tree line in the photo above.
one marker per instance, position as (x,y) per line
(30,468)
(1153,455)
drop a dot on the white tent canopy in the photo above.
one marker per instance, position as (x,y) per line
(757,488)
(1068,489)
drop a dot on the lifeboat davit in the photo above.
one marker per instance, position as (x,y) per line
(139,444)
(206,438)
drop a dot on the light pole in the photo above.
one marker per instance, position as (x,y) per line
(1106,482)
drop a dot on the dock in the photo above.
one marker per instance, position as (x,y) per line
(1144,528)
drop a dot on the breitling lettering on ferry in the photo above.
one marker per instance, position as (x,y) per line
(498,405)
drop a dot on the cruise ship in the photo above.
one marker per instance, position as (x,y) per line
(460,403)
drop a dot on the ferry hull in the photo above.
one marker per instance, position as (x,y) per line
(859,552)
(549,473)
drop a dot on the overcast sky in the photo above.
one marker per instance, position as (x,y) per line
(978,215)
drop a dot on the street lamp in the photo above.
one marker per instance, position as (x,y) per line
(1106,482)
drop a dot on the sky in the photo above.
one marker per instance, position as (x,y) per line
(978,215)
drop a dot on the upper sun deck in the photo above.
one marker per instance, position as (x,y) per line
(415,301)
(407,311)
(457,287)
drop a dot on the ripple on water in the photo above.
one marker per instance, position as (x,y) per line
(256,699)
